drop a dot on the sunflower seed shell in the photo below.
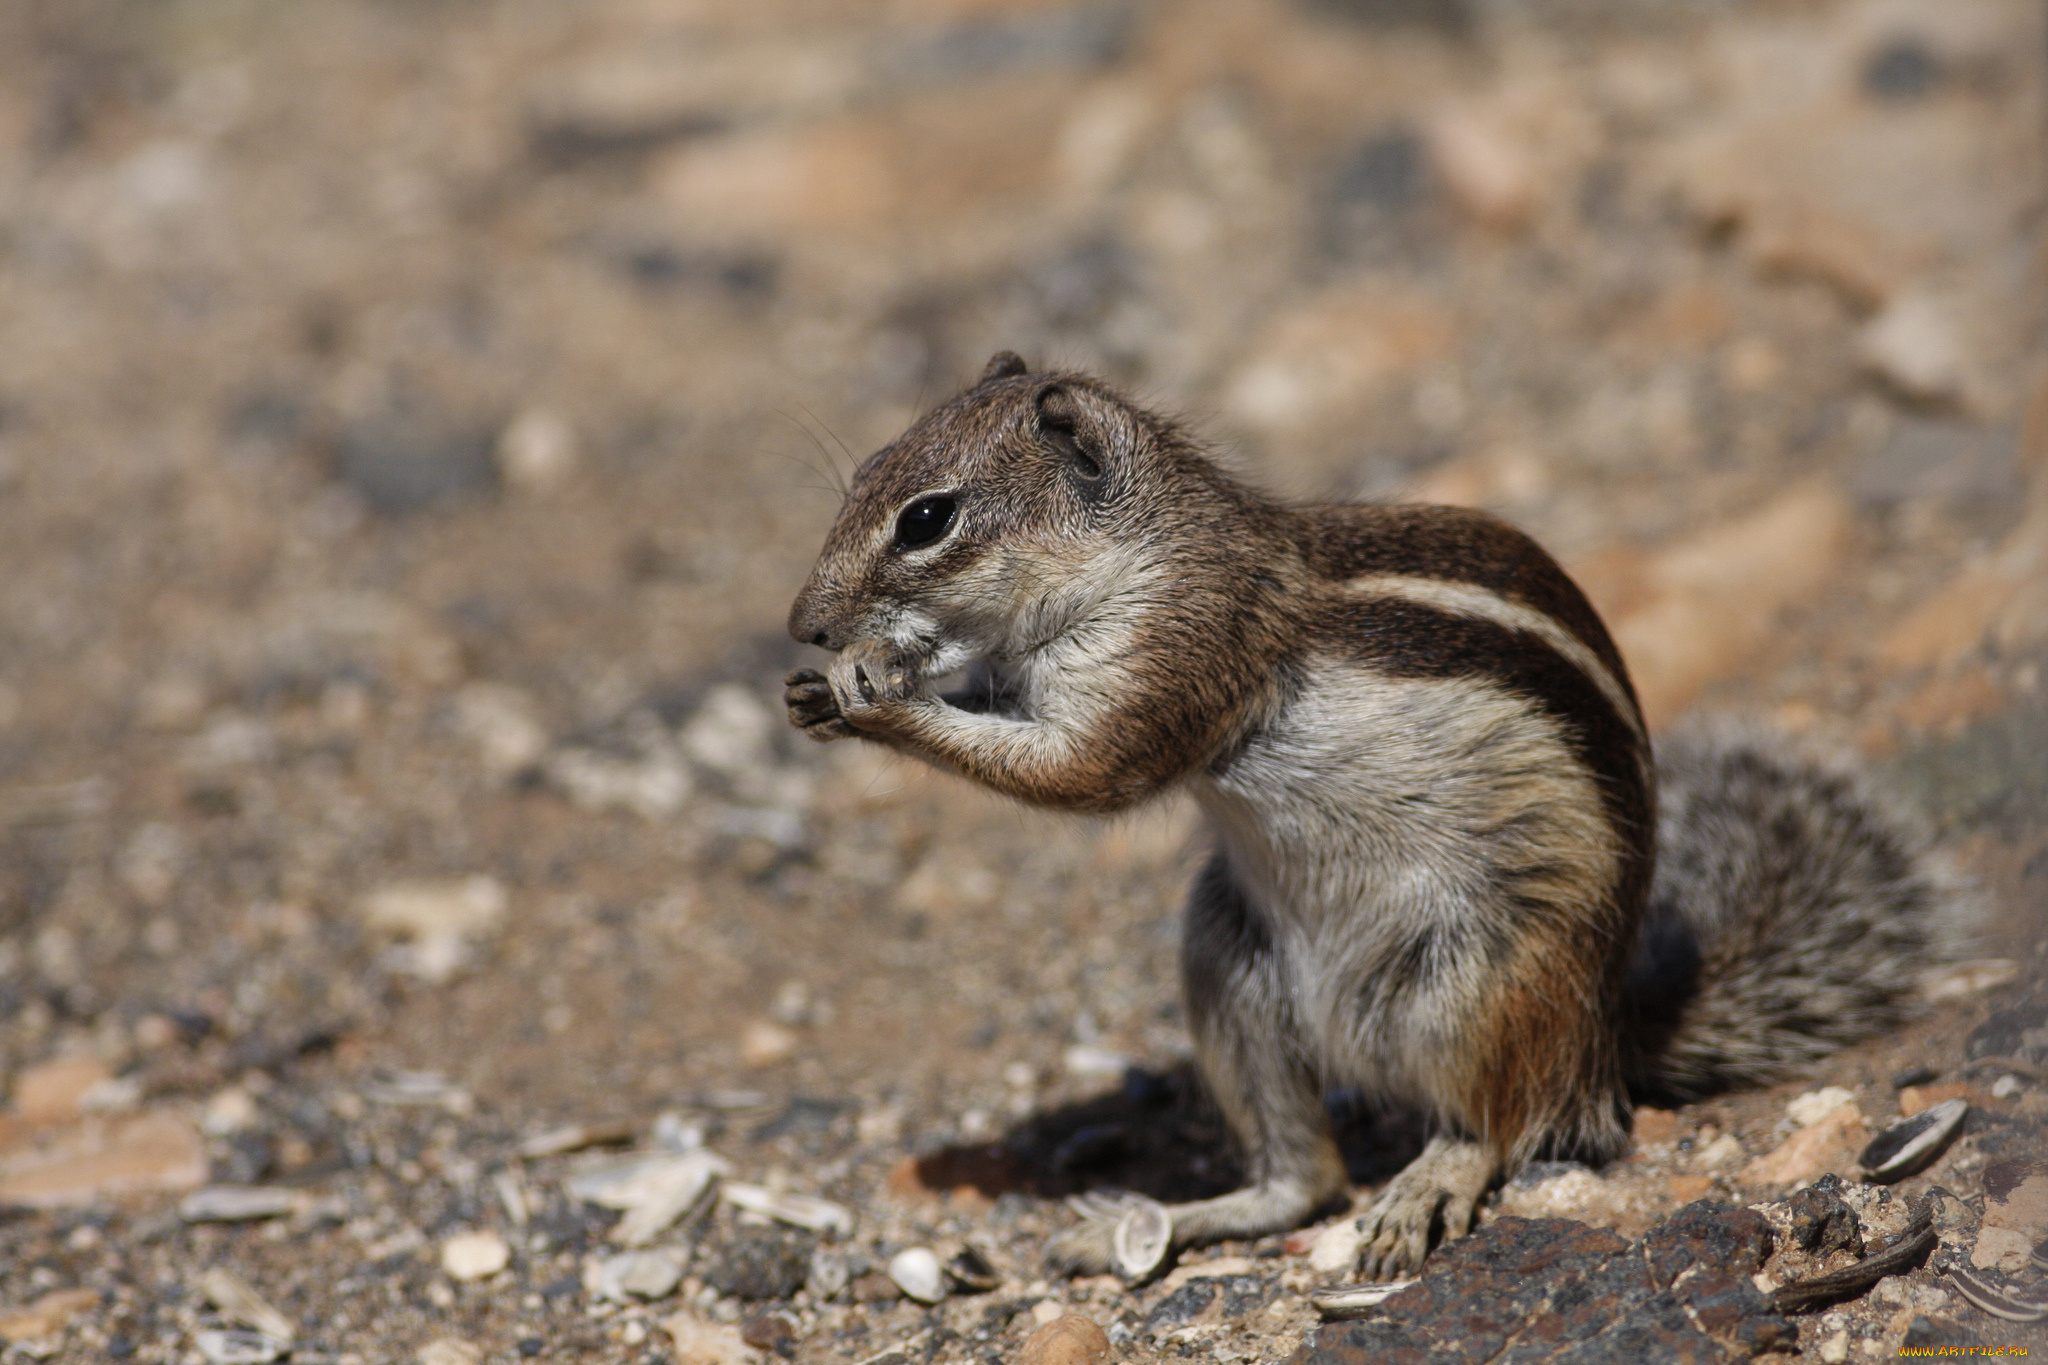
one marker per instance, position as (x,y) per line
(1911,1146)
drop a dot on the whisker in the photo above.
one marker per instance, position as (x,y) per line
(826,427)
(830,473)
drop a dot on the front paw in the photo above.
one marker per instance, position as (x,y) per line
(812,707)
(871,685)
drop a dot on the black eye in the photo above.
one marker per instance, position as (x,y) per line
(924,521)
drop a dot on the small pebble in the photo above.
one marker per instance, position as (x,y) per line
(627,1182)
(449,1351)
(437,922)
(697,1342)
(633,1275)
(1353,1300)
(661,1202)
(1067,1340)
(233,1296)
(829,1274)
(798,1210)
(760,1263)
(575,1137)
(1337,1248)
(1917,343)
(237,1348)
(228,1112)
(673,1133)
(1085,1061)
(536,451)
(1815,1105)
(475,1255)
(875,1289)
(47,1315)
(768,1331)
(763,1044)
(235,1204)
(916,1271)
(419,1090)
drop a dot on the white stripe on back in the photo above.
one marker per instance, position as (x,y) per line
(1466,599)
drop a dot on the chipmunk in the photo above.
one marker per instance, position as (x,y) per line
(1443,872)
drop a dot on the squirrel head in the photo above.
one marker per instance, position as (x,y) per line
(988,526)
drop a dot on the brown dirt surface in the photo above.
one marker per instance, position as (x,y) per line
(415,419)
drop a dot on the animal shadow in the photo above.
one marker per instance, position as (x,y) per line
(1158,1134)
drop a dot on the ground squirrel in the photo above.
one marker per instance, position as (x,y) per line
(1443,872)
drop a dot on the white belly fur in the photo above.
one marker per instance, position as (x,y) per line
(1376,808)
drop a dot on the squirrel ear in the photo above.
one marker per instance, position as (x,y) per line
(1063,422)
(1002,365)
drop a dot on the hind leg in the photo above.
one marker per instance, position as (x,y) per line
(1525,1063)
(1250,1054)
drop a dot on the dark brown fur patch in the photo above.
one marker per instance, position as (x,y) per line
(1544,1065)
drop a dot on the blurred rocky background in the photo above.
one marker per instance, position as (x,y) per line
(416,415)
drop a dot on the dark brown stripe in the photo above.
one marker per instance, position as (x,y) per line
(1459,545)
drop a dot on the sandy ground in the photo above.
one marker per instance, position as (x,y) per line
(416,417)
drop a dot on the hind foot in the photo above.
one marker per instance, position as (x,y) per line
(1432,1201)
(1089,1247)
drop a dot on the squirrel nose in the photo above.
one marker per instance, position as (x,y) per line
(806,627)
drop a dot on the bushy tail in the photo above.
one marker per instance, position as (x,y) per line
(1791,914)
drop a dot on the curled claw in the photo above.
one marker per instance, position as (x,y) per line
(1404,1223)
(1434,1199)
(871,676)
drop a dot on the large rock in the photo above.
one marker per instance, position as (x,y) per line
(1702,608)
(98,1159)
(1560,1290)
(1328,353)
(1821,181)
(2001,598)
